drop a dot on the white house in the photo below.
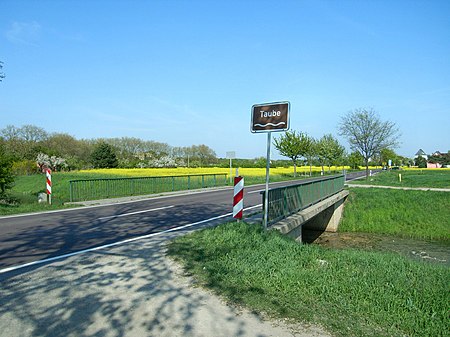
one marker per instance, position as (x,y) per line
(421,153)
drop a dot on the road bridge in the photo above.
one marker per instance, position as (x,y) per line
(315,204)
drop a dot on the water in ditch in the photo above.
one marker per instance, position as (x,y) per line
(420,250)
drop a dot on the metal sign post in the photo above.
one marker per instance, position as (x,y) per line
(266,194)
(269,117)
(231,155)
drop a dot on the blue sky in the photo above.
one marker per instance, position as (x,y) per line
(188,72)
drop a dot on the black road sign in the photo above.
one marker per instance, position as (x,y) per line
(270,117)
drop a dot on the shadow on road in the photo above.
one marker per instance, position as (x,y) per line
(65,233)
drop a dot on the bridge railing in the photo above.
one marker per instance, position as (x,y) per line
(94,189)
(287,200)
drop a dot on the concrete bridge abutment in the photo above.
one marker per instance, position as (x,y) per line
(322,216)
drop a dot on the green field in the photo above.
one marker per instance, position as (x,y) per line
(26,189)
(432,178)
(410,213)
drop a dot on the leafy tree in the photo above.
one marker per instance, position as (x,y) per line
(443,159)
(421,162)
(6,175)
(310,151)
(104,156)
(355,160)
(386,155)
(367,133)
(203,154)
(329,151)
(62,144)
(293,145)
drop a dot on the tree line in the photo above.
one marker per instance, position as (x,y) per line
(30,148)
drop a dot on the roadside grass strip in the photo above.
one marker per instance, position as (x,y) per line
(349,292)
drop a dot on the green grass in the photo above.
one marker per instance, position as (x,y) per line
(349,292)
(410,178)
(410,213)
(26,189)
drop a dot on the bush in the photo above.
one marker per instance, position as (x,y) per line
(6,173)
(421,162)
(104,156)
(24,168)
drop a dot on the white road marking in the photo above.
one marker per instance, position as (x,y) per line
(60,257)
(137,212)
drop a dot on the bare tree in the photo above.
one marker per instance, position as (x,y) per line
(32,133)
(368,134)
(2,75)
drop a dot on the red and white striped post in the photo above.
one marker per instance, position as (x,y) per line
(48,173)
(238,197)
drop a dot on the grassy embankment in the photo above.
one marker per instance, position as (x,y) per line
(432,178)
(27,188)
(412,214)
(351,292)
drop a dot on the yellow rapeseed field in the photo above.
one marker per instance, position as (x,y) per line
(157,172)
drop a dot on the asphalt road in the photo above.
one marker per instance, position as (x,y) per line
(40,236)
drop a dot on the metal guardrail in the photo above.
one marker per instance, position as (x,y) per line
(287,200)
(94,189)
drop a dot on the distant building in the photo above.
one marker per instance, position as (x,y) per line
(435,160)
(437,154)
(434,165)
(421,153)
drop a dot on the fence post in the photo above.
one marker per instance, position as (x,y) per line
(285,212)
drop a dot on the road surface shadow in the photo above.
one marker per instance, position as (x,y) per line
(70,232)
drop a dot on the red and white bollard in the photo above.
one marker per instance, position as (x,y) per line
(48,173)
(238,197)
